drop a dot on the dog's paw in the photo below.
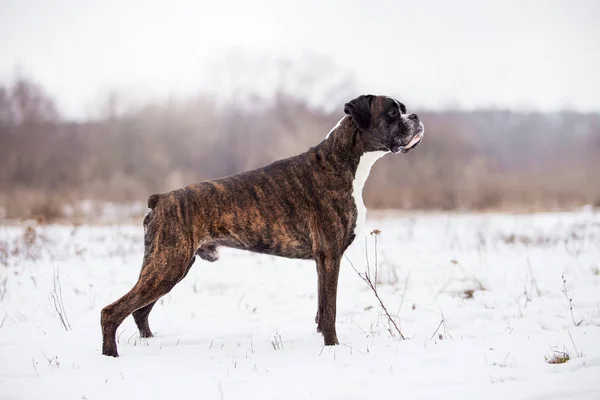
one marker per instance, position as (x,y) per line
(110,351)
(330,340)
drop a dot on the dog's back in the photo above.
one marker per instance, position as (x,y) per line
(272,210)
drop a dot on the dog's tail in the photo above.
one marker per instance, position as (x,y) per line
(148,232)
(153,200)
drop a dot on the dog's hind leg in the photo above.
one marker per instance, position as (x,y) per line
(160,273)
(207,252)
(141,316)
(141,320)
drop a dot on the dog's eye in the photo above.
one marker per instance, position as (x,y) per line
(393,112)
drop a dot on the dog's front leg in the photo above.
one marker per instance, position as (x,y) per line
(328,270)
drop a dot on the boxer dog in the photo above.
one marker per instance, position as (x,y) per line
(309,206)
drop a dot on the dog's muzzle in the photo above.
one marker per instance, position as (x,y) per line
(414,141)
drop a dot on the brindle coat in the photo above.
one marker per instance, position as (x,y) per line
(301,207)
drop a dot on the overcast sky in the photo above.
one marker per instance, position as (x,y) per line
(430,53)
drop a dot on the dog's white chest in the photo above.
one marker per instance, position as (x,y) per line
(362,173)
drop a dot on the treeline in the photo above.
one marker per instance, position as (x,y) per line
(482,160)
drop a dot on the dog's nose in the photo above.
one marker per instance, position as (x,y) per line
(414,117)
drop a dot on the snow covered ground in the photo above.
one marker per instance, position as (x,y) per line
(480,299)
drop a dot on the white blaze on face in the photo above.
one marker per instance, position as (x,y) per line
(335,127)
(362,173)
(416,138)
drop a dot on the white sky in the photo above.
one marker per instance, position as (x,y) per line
(429,53)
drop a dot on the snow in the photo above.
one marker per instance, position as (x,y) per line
(243,327)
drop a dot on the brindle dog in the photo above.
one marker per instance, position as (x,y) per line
(306,207)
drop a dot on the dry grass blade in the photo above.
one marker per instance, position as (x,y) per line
(277,343)
(570,298)
(58,303)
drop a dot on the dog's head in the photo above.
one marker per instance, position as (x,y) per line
(385,124)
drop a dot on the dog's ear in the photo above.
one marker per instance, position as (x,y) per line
(360,110)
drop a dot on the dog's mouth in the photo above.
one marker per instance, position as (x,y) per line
(413,143)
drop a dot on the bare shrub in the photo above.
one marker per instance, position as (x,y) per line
(3,253)
(528,240)
(370,278)
(44,206)
(3,285)
(30,244)
(49,210)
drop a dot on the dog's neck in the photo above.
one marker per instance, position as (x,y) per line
(343,146)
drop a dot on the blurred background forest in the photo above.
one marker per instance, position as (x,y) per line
(111,101)
(476,160)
